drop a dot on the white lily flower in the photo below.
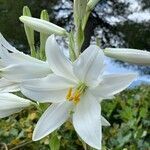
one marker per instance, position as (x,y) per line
(10,104)
(129,55)
(16,66)
(43,26)
(75,87)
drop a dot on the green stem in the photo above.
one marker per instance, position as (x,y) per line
(4,146)
(21,145)
(86,19)
(79,39)
(43,37)
(29,32)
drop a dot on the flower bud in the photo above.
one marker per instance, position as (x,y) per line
(44,15)
(43,26)
(129,55)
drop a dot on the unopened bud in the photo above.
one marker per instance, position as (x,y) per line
(129,55)
(43,26)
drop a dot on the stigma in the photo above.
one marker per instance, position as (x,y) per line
(75,94)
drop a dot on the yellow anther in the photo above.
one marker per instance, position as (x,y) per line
(74,96)
(69,94)
(77,96)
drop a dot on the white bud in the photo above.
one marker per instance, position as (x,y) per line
(43,26)
(10,104)
(129,55)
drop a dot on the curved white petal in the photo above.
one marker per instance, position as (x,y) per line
(89,65)
(104,121)
(87,122)
(8,86)
(11,101)
(17,58)
(6,45)
(6,113)
(52,119)
(1,64)
(24,71)
(113,84)
(49,89)
(18,66)
(58,63)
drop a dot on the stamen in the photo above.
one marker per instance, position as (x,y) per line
(69,94)
(75,96)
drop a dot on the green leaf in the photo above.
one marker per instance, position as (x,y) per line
(29,32)
(43,37)
(72,47)
(54,143)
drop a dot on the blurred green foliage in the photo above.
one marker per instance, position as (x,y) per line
(127,113)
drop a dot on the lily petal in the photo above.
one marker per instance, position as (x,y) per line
(10,64)
(87,122)
(52,119)
(11,101)
(10,104)
(104,121)
(8,86)
(17,57)
(89,65)
(24,71)
(6,113)
(52,88)
(113,84)
(1,64)
(59,64)
(6,45)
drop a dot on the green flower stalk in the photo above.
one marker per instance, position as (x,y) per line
(72,47)
(43,37)
(43,26)
(79,10)
(92,3)
(79,13)
(90,6)
(29,32)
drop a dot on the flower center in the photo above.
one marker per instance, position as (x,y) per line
(74,95)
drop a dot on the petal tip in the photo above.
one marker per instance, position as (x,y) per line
(134,75)
(36,136)
(51,38)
